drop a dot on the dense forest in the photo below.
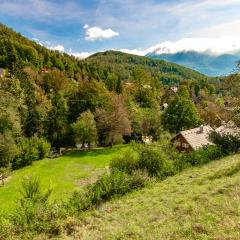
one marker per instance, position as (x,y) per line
(50,99)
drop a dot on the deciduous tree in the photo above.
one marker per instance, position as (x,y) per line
(85,130)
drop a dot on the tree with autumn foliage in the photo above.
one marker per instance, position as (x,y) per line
(113,121)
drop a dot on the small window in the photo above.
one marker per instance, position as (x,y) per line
(185,145)
(178,144)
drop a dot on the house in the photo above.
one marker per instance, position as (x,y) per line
(228,129)
(147,139)
(174,89)
(192,139)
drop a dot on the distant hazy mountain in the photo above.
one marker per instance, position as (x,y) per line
(205,63)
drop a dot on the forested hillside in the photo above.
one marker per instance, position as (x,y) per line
(52,103)
(50,99)
(124,65)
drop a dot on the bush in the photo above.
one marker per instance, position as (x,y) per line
(107,186)
(149,158)
(198,157)
(229,144)
(33,213)
(43,147)
(6,228)
(28,153)
(8,150)
(155,162)
(127,162)
(30,149)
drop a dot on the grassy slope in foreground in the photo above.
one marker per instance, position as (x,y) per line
(200,203)
(65,174)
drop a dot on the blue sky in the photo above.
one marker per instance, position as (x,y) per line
(130,25)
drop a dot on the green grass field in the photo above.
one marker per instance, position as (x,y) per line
(200,203)
(64,174)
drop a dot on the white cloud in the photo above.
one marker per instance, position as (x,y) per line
(96,33)
(85,26)
(81,55)
(140,52)
(49,45)
(59,48)
(215,46)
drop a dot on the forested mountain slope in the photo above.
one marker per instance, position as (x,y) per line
(44,94)
(18,50)
(124,65)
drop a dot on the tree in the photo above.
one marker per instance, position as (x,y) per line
(113,121)
(8,150)
(181,113)
(56,124)
(88,96)
(85,129)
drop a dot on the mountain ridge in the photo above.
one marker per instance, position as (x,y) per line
(206,63)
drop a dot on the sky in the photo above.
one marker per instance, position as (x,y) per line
(83,27)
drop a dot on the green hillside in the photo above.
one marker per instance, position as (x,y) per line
(124,66)
(200,203)
(16,50)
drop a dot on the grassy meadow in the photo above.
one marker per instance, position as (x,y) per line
(199,203)
(64,174)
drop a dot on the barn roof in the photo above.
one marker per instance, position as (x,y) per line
(228,129)
(197,137)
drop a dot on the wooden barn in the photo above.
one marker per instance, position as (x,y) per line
(192,139)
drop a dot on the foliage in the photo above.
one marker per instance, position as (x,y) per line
(30,149)
(198,157)
(228,143)
(181,113)
(153,160)
(85,129)
(33,213)
(57,127)
(8,150)
(107,186)
(88,95)
(113,122)
(42,146)
(127,162)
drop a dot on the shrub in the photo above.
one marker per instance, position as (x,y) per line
(6,228)
(229,144)
(127,162)
(107,186)
(43,147)
(198,157)
(30,149)
(33,213)
(28,153)
(8,150)
(155,162)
